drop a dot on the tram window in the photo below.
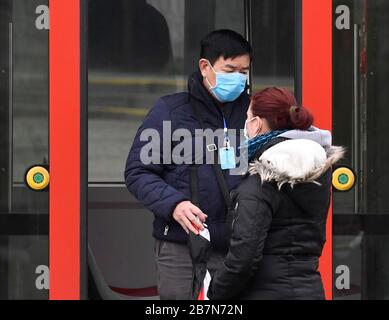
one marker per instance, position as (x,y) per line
(23,142)
(360,113)
(30,89)
(273,40)
(141,51)
(138,51)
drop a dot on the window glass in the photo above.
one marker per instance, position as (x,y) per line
(273,40)
(23,143)
(143,50)
(360,123)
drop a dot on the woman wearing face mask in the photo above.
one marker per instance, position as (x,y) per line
(279,223)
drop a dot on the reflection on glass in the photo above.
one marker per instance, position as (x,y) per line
(273,39)
(29,103)
(30,88)
(146,49)
(347,262)
(22,259)
(360,113)
(23,213)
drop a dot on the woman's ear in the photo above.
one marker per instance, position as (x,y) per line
(259,123)
(263,126)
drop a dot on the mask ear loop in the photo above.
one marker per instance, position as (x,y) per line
(259,129)
(256,134)
(209,84)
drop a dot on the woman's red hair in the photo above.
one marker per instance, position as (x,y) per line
(279,107)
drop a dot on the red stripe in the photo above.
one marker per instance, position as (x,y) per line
(64,251)
(317,91)
(201,295)
(137,292)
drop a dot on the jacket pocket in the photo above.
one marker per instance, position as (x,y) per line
(158,246)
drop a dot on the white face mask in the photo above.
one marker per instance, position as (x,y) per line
(245,132)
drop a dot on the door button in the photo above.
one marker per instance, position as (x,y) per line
(343,179)
(37,178)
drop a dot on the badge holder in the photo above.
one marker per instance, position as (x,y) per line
(227,156)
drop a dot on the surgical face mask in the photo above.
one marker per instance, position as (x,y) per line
(229,86)
(245,132)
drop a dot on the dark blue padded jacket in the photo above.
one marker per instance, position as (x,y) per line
(161,186)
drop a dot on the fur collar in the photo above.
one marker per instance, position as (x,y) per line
(295,161)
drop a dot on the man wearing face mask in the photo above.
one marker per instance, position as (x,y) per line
(216,99)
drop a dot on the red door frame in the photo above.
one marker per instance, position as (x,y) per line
(65,150)
(67,182)
(317,92)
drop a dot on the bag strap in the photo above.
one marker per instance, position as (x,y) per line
(222,184)
(194,186)
(216,168)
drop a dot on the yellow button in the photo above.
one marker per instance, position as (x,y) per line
(343,179)
(37,178)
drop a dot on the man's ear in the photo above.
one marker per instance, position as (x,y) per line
(203,66)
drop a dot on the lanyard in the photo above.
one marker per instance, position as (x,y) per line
(225,133)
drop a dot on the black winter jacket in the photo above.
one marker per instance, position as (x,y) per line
(279,225)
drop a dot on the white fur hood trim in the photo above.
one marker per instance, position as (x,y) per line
(295,161)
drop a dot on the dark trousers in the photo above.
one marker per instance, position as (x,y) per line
(174,269)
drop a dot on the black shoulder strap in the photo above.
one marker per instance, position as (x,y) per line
(216,168)
(194,185)
(222,183)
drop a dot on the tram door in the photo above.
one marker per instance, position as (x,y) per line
(24,153)
(41,195)
(146,49)
(52,170)
(360,122)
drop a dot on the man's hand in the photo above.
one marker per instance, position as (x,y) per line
(187,213)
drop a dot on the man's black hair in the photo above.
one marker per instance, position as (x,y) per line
(224,43)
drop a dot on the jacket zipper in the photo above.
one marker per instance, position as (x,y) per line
(166,230)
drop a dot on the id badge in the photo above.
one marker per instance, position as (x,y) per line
(227,158)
